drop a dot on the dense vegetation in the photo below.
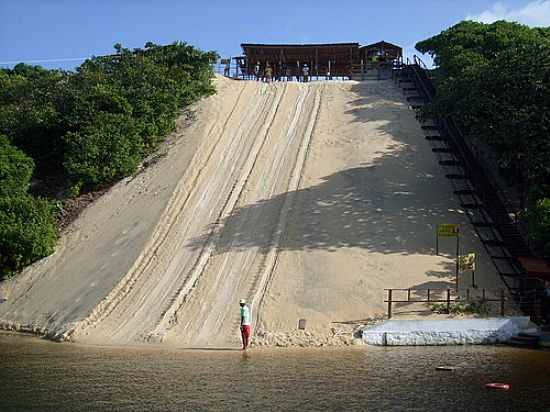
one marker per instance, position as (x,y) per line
(494,79)
(62,133)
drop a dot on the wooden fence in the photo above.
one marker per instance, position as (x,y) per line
(448,296)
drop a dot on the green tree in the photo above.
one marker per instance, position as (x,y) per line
(28,231)
(106,149)
(494,79)
(15,169)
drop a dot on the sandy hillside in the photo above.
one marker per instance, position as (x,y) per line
(306,199)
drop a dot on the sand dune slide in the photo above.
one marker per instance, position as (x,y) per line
(305,199)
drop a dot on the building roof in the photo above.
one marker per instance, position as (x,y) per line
(259,45)
(381,44)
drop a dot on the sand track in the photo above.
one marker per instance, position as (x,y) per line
(206,319)
(169,268)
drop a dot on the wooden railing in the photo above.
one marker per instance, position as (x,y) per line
(449,296)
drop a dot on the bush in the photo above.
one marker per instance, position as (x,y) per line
(459,307)
(539,223)
(28,231)
(108,148)
(15,169)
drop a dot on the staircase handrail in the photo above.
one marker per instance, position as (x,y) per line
(483,177)
(418,61)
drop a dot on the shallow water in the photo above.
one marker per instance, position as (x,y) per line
(40,375)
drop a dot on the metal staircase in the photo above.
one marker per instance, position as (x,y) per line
(479,195)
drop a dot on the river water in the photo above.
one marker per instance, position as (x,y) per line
(46,376)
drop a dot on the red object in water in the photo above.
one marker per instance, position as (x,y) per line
(497,385)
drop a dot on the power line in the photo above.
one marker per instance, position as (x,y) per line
(69,59)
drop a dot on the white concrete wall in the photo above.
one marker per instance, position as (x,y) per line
(444,332)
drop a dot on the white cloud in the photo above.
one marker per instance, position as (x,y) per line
(535,14)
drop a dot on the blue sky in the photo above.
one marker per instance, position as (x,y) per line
(33,30)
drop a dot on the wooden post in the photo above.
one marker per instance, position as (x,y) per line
(408,294)
(389,303)
(317,63)
(428,295)
(457,254)
(448,301)
(468,295)
(350,62)
(501,302)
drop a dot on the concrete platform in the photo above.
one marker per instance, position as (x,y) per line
(445,332)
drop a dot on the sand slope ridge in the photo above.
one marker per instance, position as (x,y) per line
(305,199)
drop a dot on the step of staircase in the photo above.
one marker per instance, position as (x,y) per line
(464,192)
(522,341)
(429,127)
(483,224)
(456,176)
(510,274)
(450,163)
(436,138)
(471,206)
(531,335)
(493,242)
(442,150)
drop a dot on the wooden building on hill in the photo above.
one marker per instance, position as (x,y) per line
(381,51)
(323,60)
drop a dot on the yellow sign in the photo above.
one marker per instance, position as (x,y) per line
(447,230)
(467,262)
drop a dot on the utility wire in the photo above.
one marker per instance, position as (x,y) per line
(69,59)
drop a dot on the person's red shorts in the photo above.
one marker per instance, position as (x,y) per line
(246,331)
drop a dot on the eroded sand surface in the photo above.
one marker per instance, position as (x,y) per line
(306,199)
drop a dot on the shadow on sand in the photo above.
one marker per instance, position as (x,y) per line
(386,205)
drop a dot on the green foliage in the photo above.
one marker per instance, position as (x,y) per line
(539,223)
(108,148)
(15,169)
(84,129)
(27,225)
(494,79)
(47,113)
(27,231)
(461,308)
(470,44)
(31,99)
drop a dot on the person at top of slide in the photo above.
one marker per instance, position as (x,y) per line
(305,72)
(268,73)
(246,327)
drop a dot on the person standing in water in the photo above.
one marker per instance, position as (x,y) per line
(246,328)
